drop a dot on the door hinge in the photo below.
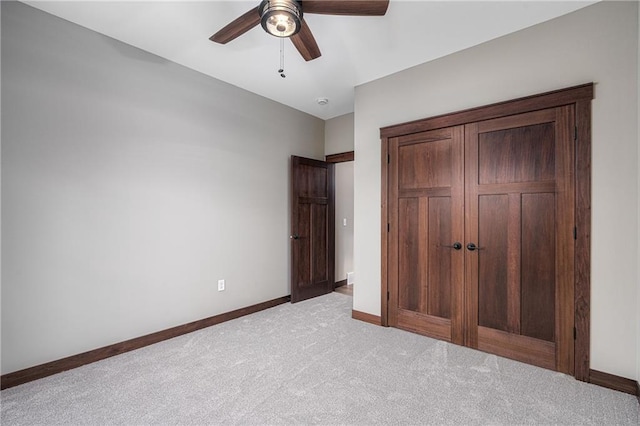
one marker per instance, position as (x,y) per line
(388,227)
(575,333)
(575,133)
(388,158)
(575,232)
(387,296)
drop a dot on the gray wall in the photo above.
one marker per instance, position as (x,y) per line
(638,262)
(130,185)
(344,219)
(596,44)
(338,134)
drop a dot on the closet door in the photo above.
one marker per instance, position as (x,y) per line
(426,225)
(520,237)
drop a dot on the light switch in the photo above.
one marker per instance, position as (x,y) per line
(344,222)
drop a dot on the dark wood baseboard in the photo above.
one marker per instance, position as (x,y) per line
(638,391)
(50,368)
(340,283)
(363,316)
(614,382)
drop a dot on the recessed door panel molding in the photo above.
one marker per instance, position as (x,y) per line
(480,227)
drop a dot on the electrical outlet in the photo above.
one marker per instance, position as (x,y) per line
(220,285)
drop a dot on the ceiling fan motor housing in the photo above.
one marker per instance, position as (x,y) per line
(281,18)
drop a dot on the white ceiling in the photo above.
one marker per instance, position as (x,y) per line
(355,50)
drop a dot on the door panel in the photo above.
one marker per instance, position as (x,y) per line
(312,228)
(439,257)
(521,154)
(319,244)
(301,247)
(411,294)
(426,218)
(424,223)
(493,214)
(426,164)
(519,204)
(538,266)
(311,178)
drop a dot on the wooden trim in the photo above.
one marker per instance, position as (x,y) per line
(565,243)
(331,227)
(614,382)
(363,316)
(384,233)
(342,157)
(340,283)
(582,263)
(470,332)
(50,368)
(638,391)
(517,106)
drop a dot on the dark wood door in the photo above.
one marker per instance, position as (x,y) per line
(426,269)
(504,190)
(519,215)
(312,228)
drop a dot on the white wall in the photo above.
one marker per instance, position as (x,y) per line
(338,134)
(595,44)
(130,185)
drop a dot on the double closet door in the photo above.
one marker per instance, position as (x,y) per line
(481,235)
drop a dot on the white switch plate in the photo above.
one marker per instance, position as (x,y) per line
(220,285)
(344,222)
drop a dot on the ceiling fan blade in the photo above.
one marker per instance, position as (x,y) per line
(237,27)
(346,7)
(306,43)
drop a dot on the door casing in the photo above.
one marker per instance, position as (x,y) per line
(578,96)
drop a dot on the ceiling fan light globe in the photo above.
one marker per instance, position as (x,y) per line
(281,18)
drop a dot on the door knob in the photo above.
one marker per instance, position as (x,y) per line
(455,246)
(294,236)
(472,247)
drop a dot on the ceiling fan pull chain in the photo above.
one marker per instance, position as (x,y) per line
(281,70)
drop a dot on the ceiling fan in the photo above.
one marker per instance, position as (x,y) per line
(284,18)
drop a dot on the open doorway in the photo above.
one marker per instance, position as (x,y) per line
(339,150)
(343,179)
